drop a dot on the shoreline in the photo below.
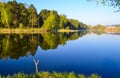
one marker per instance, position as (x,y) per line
(40,30)
(32,30)
(23,30)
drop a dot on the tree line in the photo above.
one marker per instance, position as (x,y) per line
(18,15)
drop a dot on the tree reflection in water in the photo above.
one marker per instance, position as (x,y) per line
(19,45)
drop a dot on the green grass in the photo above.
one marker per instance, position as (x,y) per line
(51,75)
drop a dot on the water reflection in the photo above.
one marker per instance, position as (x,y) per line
(61,52)
(19,45)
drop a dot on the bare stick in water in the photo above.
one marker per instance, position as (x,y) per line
(36,64)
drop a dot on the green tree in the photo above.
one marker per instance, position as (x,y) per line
(63,21)
(32,16)
(5,15)
(43,15)
(52,22)
(74,23)
(83,26)
(23,15)
(15,13)
(0,16)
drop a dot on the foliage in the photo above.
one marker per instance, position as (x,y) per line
(23,15)
(114,3)
(52,21)
(51,75)
(32,16)
(74,23)
(99,27)
(63,21)
(94,76)
(5,14)
(14,14)
(43,15)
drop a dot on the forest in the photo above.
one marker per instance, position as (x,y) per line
(19,15)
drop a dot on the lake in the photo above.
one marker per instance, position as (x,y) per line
(81,52)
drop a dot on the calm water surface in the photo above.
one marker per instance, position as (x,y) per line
(82,52)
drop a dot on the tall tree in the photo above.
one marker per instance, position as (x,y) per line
(15,10)
(0,16)
(5,14)
(23,15)
(32,16)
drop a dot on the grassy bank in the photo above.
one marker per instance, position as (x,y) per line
(22,30)
(50,75)
(31,30)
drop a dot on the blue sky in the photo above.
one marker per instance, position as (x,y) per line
(86,12)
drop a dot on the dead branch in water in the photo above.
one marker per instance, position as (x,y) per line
(36,64)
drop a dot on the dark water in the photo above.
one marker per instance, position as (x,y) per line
(82,52)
